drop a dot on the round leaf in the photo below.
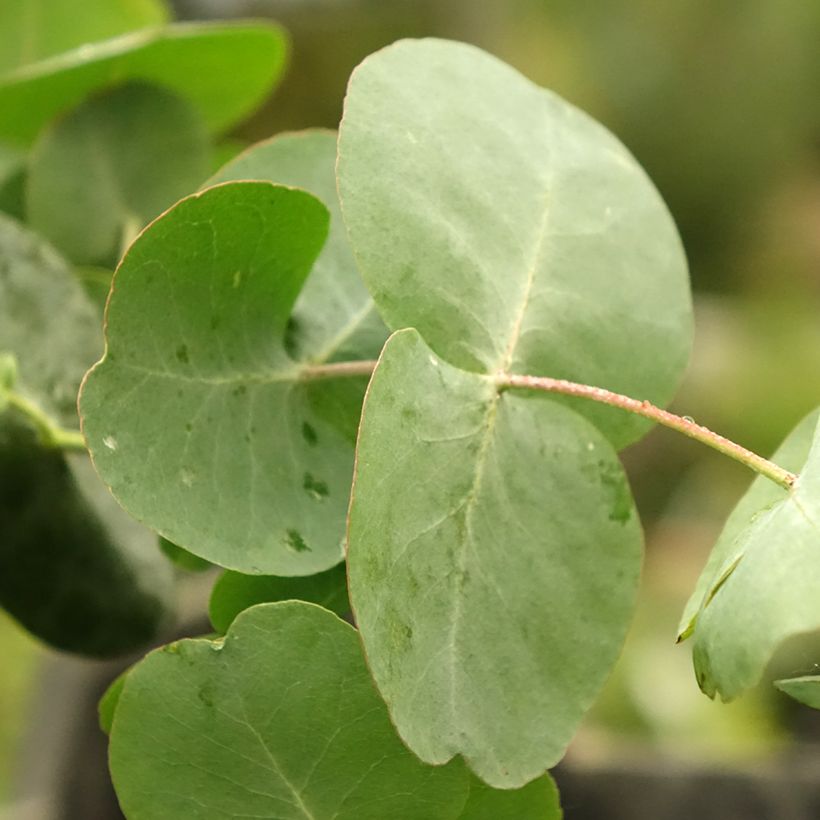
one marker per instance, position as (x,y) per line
(226,70)
(120,159)
(334,318)
(33,29)
(197,417)
(537,800)
(762,494)
(233,593)
(509,228)
(765,592)
(279,721)
(493,601)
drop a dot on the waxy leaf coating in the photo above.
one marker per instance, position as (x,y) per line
(98,175)
(199,61)
(197,417)
(281,721)
(493,558)
(512,230)
(765,591)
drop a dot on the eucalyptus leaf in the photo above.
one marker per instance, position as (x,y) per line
(493,601)
(805,689)
(46,320)
(334,318)
(537,800)
(182,559)
(109,702)
(765,592)
(197,418)
(233,593)
(74,569)
(120,158)
(762,494)
(225,69)
(31,30)
(214,729)
(513,231)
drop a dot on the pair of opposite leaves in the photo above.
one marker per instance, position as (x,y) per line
(494,549)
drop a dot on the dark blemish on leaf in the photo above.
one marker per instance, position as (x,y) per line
(247,437)
(409,413)
(215,322)
(296,542)
(315,488)
(239,390)
(205,696)
(612,480)
(182,354)
(309,435)
(188,426)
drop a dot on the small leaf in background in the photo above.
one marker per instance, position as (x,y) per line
(31,31)
(182,558)
(109,701)
(762,494)
(187,58)
(12,181)
(334,318)
(46,320)
(119,159)
(74,568)
(538,800)
(233,593)
(770,595)
(197,417)
(217,729)
(805,689)
(512,230)
(493,601)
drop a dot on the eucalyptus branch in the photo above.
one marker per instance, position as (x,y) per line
(646,409)
(50,433)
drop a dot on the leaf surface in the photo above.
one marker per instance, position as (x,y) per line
(493,600)
(74,568)
(334,318)
(513,231)
(197,417)
(805,689)
(120,159)
(233,593)
(537,800)
(770,594)
(225,69)
(762,494)
(214,730)
(31,30)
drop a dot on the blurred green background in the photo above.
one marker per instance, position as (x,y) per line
(720,101)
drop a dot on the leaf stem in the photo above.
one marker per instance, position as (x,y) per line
(648,410)
(50,433)
(339,370)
